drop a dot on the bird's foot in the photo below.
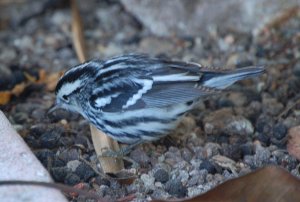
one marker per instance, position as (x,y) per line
(116,154)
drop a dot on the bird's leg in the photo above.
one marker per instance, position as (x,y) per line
(122,152)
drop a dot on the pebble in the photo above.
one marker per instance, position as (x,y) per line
(45,156)
(69,155)
(262,155)
(223,121)
(160,194)
(161,175)
(20,117)
(186,154)
(296,69)
(57,162)
(211,149)
(85,172)
(139,156)
(102,181)
(197,177)
(263,138)
(148,181)
(50,138)
(183,176)
(226,163)
(232,151)
(279,131)
(194,191)
(72,165)
(264,124)
(247,149)
(271,106)
(175,187)
(59,173)
(71,179)
(207,165)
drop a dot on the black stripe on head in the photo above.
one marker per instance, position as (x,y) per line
(74,74)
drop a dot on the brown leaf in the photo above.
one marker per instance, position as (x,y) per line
(293,145)
(271,183)
(5,97)
(51,80)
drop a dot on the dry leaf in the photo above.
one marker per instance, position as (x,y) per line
(293,145)
(271,183)
(5,97)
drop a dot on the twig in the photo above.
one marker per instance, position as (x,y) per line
(286,110)
(100,140)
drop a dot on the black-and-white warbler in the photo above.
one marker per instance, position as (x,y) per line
(135,98)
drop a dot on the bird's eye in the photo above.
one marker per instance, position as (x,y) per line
(65,97)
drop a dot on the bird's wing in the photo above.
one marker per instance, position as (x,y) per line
(158,84)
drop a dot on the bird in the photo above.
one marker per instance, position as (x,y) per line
(136,98)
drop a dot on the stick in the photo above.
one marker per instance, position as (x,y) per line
(101,141)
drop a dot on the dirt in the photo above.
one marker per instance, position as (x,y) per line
(224,137)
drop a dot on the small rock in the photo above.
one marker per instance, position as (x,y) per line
(226,163)
(238,99)
(279,131)
(296,69)
(187,154)
(293,145)
(139,156)
(161,175)
(262,156)
(175,187)
(249,160)
(57,162)
(84,171)
(197,177)
(72,165)
(271,106)
(247,149)
(66,141)
(71,179)
(59,173)
(207,165)
(102,181)
(160,194)
(50,138)
(223,121)
(45,156)
(194,191)
(183,176)
(263,138)
(69,155)
(232,151)
(20,117)
(264,124)
(211,149)
(148,181)
(239,125)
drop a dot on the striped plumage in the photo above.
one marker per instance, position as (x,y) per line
(136,97)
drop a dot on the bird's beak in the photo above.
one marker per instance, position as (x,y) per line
(54,108)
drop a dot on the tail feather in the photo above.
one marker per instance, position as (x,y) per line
(222,80)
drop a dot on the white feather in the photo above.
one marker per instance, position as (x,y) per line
(147,85)
(176,77)
(68,88)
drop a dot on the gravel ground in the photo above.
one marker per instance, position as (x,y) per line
(223,138)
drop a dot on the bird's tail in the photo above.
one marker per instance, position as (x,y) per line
(221,80)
